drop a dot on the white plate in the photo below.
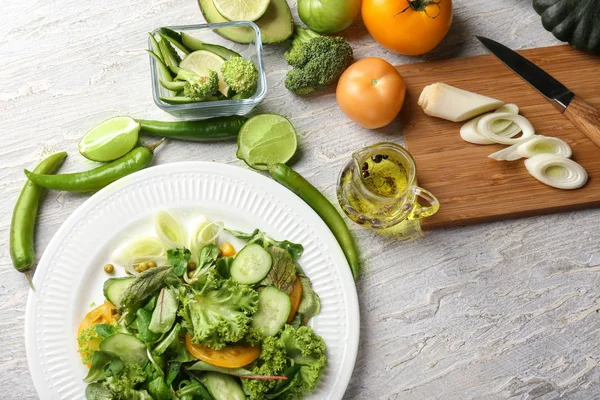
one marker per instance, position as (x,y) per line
(70,276)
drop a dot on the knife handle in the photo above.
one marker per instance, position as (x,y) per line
(585,117)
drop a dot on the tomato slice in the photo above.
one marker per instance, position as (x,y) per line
(103,314)
(295,297)
(230,356)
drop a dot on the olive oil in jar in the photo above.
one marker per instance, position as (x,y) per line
(384,175)
(377,187)
(371,195)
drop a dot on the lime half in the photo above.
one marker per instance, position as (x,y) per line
(266,139)
(110,140)
(202,62)
(241,10)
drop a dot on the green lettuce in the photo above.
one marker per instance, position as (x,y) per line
(298,354)
(124,380)
(217,311)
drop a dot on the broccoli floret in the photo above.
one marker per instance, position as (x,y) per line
(198,86)
(318,61)
(240,75)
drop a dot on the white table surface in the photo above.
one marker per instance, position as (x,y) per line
(494,311)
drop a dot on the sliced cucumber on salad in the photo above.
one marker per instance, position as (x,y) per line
(223,387)
(127,347)
(251,264)
(114,288)
(274,308)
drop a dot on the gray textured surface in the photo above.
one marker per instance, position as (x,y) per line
(496,311)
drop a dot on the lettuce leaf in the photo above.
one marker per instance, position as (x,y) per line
(296,353)
(218,311)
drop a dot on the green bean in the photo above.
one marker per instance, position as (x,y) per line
(163,71)
(22,226)
(220,128)
(155,48)
(311,195)
(97,178)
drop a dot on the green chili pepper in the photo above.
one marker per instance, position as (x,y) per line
(97,178)
(311,195)
(24,215)
(219,128)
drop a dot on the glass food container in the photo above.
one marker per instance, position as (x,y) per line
(202,110)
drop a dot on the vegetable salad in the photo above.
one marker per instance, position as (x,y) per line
(199,319)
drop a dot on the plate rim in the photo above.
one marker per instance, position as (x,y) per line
(245,175)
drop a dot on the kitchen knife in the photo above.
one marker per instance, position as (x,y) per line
(585,117)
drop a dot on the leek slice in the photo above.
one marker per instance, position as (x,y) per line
(169,230)
(502,127)
(484,127)
(544,145)
(207,232)
(142,248)
(556,171)
(454,104)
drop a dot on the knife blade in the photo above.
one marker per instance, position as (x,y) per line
(584,116)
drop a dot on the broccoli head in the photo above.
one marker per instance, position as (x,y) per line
(317,61)
(198,87)
(240,75)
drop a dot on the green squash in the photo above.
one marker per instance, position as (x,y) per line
(573,21)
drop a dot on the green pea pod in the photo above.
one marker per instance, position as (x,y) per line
(22,226)
(97,178)
(219,128)
(311,195)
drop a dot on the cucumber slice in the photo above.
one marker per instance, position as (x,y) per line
(176,43)
(114,288)
(174,86)
(223,387)
(127,347)
(251,264)
(274,308)
(194,44)
(169,32)
(183,99)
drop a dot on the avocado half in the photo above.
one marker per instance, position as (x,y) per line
(276,25)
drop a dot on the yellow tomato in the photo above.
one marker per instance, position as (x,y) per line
(296,298)
(103,314)
(230,356)
(409,27)
(371,92)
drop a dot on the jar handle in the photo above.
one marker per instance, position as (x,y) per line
(418,211)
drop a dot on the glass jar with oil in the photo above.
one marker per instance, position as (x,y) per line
(377,187)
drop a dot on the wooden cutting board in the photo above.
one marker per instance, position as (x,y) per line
(473,188)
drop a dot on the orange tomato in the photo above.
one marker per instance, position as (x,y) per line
(103,314)
(295,297)
(409,27)
(371,92)
(230,356)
